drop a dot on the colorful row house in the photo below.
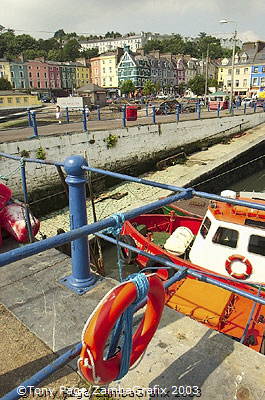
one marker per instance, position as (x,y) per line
(249,70)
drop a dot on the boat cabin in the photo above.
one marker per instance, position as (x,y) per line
(231,239)
(218,99)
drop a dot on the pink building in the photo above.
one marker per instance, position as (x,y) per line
(38,74)
(95,71)
(54,77)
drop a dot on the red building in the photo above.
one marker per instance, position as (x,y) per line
(54,76)
(38,74)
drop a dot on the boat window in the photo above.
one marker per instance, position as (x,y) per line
(257,245)
(205,227)
(226,237)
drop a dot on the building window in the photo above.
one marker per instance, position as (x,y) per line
(245,82)
(18,100)
(30,74)
(262,81)
(237,71)
(103,70)
(22,85)
(237,83)
(46,84)
(29,67)
(45,74)
(228,83)
(21,74)
(12,74)
(226,237)
(30,83)
(9,100)
(26,99)
(38,84)
(255,81)
(245,70)
(1,100)
(38,74)
(256,70)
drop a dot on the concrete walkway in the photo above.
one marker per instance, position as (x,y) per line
(14,134)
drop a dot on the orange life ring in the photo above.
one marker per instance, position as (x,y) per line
(92,365)
(237,257)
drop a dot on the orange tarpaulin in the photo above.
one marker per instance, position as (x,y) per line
(203,302)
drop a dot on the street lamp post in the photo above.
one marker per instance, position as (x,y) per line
(225,21)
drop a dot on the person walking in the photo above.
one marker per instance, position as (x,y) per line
(58,114)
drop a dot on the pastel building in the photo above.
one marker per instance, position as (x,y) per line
(54,76)
(10,99)
(258,77)
(82,75)
(38,74)
(68,75)
(95,70)
(19,75)
(5,70)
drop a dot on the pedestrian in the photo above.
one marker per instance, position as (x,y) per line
(86,111)
(58,114)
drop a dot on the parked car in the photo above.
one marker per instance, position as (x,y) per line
(260,102)
(248,101)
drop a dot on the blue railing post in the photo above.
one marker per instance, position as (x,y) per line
(98,109)
(177,112)
(263,106)
(29,117)
(199,110)
(255,106)
(245,108)
(34,124)
(146,110)
(154,114)
(26,200)
(67,115)
(81,279)
(218,109)
(84,120)
(124,116)
(208,106)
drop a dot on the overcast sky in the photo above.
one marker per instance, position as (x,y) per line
(187,17)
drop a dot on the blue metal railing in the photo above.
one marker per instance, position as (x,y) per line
(81,279)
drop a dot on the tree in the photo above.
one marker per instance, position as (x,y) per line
(89,53)
(149,88)
(56,55)
(71,50)
(5,84)
(32,54)
(197,85)
(127,87)
(182,88)
(60,34)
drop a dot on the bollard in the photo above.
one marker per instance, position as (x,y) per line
(81,280)
(255,107)
(177,112)
(146,110)
(26,200)
(98,109)
(124,117)
(29,117)
(199,110)
(245,108)
(34,125)
(154,114)
(67,115)
(84,120)
(218,109)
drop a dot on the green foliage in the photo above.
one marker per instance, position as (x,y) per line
(149,88)
(89,53)
(41,153)
(127,87)
(197,85)
(5,84)
(112,35)
(71,50)
(32,54)
(24,153)
(111,140)
(182,88)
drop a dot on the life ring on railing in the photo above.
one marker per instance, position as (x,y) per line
(92,364)
(237,257)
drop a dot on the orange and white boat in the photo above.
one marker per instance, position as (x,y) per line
(228,243)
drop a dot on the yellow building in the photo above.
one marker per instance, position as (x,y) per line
(83,75)
(5,70)
(104,69)
(242,77)
(10,99)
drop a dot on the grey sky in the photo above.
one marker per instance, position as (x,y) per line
(187,17)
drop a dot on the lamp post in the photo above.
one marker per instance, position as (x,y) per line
(206,75)
(225,21)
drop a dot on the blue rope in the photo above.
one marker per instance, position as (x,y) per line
(115,231)
(125,323)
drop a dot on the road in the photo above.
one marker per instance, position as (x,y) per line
(14,134)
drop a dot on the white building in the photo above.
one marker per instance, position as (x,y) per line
(104,45)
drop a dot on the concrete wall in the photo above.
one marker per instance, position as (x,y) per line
(135,145)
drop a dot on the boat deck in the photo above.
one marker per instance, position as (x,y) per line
(182,353)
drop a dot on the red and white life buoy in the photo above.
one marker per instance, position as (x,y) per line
(248,267)
(92,365)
